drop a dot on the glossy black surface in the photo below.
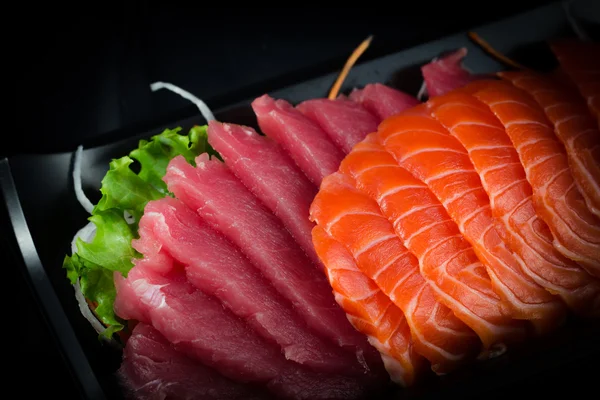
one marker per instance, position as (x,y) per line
(93,82)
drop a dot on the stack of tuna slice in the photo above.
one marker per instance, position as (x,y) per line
(369,238)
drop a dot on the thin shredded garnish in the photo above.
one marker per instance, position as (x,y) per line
(204,110)
(81,197)
(423,89)
(87,235)
(485,46)
(335,89)
(573,23)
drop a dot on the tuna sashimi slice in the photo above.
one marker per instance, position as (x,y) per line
(446,260)
(421,145)
(270,174)
(311,148)
(369,310)
(153,369)
(354,219)
(574,126)
(230,208)
(199,326)
(219,269)
(346,122)
(382,100)
(581,62)
(447,73)
(503,178)
(556,198)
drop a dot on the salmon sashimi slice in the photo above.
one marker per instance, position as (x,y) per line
(556,198)
(199,326)
(383,100)
(503,178)
(369,310)
(346,122)
(577,60)
(231,209)
(311,148)
(574,126)
(421,145)
(271,175)
(446,260)
(221,270)
(354,219)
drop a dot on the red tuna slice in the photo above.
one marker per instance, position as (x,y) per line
(219,269)
(153,369)
(447,73)
(230,208)
(382,100)
(271,175)
(199,325)
(346,122)
(311,148)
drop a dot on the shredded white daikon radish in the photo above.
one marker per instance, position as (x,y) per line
(85,309)
(573,23)
(86,234)
(130,219)
(422,92)
(204,110)
(83,200)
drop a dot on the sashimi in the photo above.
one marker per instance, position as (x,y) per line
(354,219)
(574,126)
(227,205)
(382,100)
(421,145)
(581,62)
(369,310)
(556,198)
(153,369)
(447,73)
(446,259)
(503,178)
(270,174)
(346,122)
(199,326)
(216,267)
(311,148)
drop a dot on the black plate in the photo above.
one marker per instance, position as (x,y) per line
(45,214)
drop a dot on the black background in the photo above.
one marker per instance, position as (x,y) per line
(84,71)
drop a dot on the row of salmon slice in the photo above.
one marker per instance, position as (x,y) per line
(480,204)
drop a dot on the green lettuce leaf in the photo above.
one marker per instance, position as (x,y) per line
(126,192)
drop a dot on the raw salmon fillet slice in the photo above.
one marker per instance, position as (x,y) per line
(421,145)
(503,178)
(446,260)
(581,62)
(556,198)
(574,126)
(369,310)
(354,219)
